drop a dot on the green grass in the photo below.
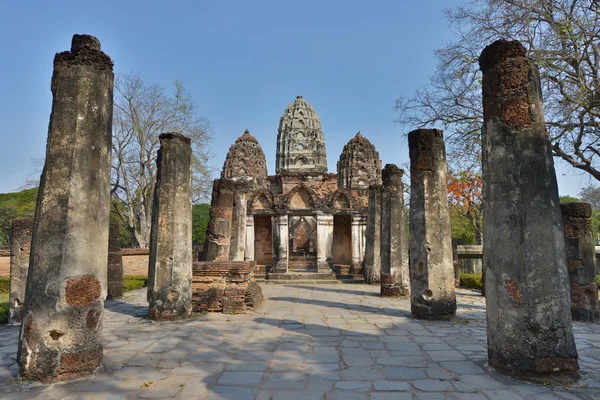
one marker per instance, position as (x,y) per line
(3,308)
(470,281)
(133,282)
(4,295)
(4,285)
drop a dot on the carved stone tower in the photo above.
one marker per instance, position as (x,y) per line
(359,165)
(300,140)
(246,160)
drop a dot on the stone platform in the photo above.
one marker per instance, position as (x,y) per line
(306,342)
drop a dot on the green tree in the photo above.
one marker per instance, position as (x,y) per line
(463,231)
(15,205)
(591,194)
(200,216)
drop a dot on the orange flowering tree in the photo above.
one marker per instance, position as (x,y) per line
(465,196)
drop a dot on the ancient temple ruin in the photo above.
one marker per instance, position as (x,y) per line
(302,221)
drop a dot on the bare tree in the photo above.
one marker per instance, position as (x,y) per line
(591,194)
(562,37)
(141,113)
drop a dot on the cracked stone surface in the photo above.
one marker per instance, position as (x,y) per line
(306,342)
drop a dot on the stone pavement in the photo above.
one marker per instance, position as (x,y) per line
(306,342)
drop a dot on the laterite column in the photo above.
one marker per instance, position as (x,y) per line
(20,246)
(431,269)
(61,333)
(115,263)
(526,281)
(373,236)
(394,243)
(581,260)
(218,232)
(170,265)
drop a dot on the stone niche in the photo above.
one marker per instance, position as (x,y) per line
(226,286)
(342,240)
(263,239)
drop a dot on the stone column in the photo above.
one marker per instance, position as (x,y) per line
(373,245)
(237,242)
(394,243)
(362,229)
(218,232)
(249,250)
(61,332)
(526,282)
(358,241)
(20,244)
(115,263)
(431,270)
(170,264)
(324,242)
(281,239)
(581,260)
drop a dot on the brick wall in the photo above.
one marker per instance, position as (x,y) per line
(135,262)
(4,263)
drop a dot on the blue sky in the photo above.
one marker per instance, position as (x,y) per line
(242,61)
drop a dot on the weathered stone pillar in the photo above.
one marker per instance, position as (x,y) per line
(249,250)
(527,287)
(280,243)
(20,245)
(170,265)
(358,240)
(324,242)
(373,245)
(61,333)
(455,262)
(237,243)
(581,260)
(394,243)
(115,263)
(218,232)
(431,270)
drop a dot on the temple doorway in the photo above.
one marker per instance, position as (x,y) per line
(342,239)
(303,242)
(263,240)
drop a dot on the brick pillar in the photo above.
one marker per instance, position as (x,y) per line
(431,269)
(394,243)
(218,232)
(373,245)
(20,244)
(115,263)
(61,333)
(526,282)
(170,265)
(581,260)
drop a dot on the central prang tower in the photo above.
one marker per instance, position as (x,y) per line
(300,140)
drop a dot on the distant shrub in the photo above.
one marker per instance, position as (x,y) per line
(4,285)
(134,282)
(470,281)
(3,312)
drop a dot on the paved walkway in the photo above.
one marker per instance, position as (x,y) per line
(306,342)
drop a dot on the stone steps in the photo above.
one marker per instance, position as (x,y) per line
(308,277)
(294,276)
